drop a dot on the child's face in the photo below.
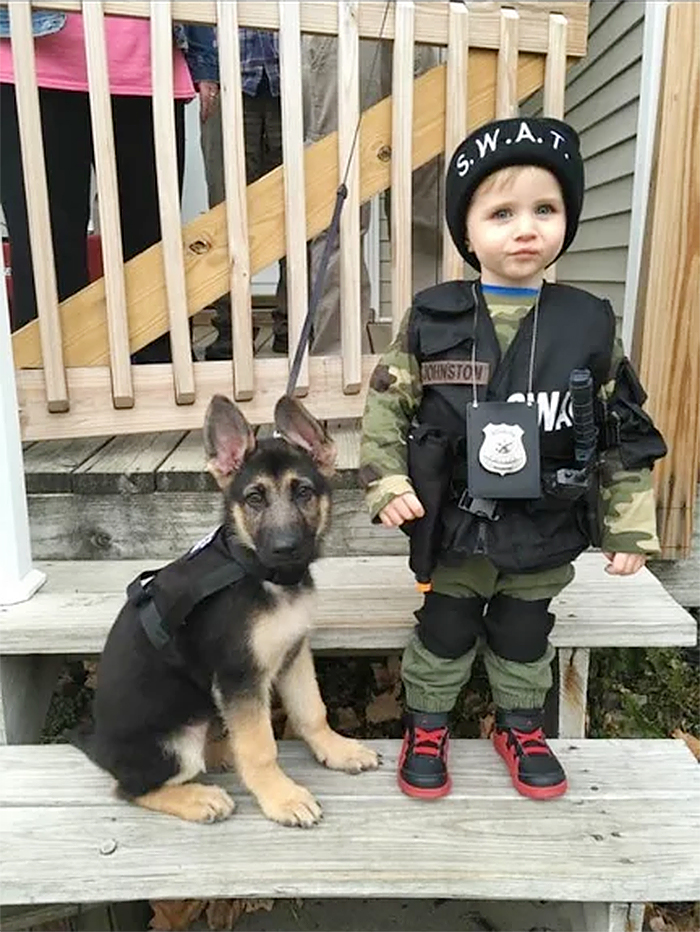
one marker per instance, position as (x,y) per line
(516,225)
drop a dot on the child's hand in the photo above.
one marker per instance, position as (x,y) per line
(624,564)
(404,507)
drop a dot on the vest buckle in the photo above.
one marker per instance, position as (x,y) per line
(481,507)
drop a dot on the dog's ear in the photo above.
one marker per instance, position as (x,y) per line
(297,426)
(228,439)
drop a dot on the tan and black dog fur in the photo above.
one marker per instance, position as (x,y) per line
(153,721)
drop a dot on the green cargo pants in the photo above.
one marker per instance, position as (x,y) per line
(433,682)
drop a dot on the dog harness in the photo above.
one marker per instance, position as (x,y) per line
(165,597)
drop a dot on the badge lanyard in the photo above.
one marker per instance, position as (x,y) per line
(503,440)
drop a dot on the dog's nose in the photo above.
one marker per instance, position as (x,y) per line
(284,545)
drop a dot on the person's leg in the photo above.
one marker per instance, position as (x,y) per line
(271,157)
(436,664)
(212,147)
(428,206)
(138,189)
(518,659)
(67,151)
(12,195)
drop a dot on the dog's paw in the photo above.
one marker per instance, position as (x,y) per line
(291,804)
(202,803)
(347,754)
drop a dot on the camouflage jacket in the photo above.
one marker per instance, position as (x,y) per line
(394,396)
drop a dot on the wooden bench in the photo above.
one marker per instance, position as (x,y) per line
(364,604)
(625,832)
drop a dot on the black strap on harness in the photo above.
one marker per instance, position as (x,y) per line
(160,629)
(165,597)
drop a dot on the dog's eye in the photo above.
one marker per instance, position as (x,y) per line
(255,498)
(304,493)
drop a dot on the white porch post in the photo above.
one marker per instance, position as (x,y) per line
(18,579)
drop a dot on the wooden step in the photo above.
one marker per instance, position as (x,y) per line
(364,603)
(626,831)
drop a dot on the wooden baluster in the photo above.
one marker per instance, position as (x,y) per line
(236,201)
(294,184)
(38,214)
(350,261)
(456,117)
(169,199)
(401,161)
(108,194)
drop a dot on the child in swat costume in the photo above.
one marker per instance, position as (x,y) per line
(479,437)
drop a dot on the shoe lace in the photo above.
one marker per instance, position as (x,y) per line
(429,741)
(530,742)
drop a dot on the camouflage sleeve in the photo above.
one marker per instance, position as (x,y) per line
(627,496)
(393,398)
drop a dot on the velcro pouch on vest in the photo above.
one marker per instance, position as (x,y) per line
(640,443)
(430,469)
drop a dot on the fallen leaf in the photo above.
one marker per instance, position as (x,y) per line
(175,915)
(393,665)
(486,725)
(382,677)
(347,719)
(384,708)
(691,741)
(90,674)
(224,914)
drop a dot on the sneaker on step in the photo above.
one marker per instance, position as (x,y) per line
(423,759)
(534,769)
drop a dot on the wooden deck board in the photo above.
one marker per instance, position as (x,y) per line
(125,464)
(183,470)
(49,464)
(624,832)
(364,603)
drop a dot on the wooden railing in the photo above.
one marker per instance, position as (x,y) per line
(74,375)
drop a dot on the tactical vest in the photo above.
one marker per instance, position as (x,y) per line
(574,330)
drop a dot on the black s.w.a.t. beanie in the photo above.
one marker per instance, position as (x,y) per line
(546,142)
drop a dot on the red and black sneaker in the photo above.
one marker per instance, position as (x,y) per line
(423,759)
(534,769)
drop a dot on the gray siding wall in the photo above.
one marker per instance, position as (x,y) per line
(602,104)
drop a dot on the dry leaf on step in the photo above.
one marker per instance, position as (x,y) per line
(486,725)
(346,718)
(175,915)
(384,708)
(222,915)
(692,742)
(382,677)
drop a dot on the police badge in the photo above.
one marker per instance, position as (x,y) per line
(503,450)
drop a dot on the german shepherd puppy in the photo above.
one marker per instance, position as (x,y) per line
(153,724)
